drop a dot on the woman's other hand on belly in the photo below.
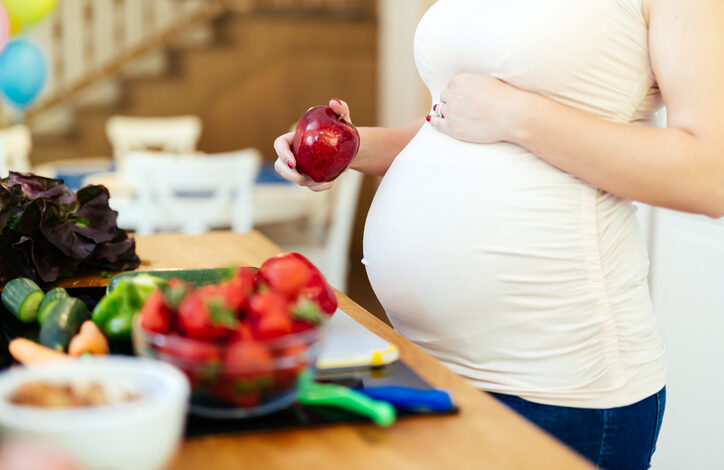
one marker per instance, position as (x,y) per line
(477,109)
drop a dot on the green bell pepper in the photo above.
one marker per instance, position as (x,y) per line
(115,312)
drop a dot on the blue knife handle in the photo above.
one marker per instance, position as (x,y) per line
(410,398)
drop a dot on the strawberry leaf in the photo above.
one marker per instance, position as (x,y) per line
(219,315)
(308,311)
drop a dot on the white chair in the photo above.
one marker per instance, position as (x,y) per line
(329,234)
(15,145)
(190,193)
(175,134)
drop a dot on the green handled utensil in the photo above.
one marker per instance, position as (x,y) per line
(311,393)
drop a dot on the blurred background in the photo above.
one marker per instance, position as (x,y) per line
(159,100)
(117,78)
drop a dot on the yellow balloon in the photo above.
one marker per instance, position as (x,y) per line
(25,13)
(14,25)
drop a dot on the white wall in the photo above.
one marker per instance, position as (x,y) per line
(687,281)
(403,97)
(687,286)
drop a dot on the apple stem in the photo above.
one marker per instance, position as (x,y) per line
(340,117)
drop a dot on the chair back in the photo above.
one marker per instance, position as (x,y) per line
(194,193)
(15,145)
(176,134)
(343,199)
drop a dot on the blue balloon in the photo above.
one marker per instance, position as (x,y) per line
(23,71)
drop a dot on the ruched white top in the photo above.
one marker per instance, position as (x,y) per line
(520,277)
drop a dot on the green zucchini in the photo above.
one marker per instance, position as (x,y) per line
(22,296)
(49,301)
(62,323)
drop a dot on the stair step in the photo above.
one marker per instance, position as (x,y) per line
(151,65)
(57,122)
(47,148)
(149,97)
(106,93)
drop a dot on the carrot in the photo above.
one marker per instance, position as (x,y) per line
(29,352)
(88,340)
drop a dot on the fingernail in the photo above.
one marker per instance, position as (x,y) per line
(335,99)
(428,118)
(290,164)
(434,108)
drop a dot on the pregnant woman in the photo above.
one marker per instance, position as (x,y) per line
(502,239)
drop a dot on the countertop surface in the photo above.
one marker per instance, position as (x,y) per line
(485,434)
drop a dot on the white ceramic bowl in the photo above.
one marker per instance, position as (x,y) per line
(141,434)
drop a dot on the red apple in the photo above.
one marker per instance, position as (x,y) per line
(324,144)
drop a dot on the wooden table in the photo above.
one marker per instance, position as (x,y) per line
(485,434)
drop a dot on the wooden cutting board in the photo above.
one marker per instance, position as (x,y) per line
(83,279)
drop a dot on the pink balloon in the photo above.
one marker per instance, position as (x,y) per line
(4,27)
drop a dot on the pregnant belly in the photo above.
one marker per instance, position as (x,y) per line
(483,252)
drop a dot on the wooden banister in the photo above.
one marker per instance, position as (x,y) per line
(211,9)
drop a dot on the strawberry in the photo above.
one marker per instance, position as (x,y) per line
(192,350)
(247,358)
(267,303)
(269,315)
(238,289)
(203,315)
(318,291)
(247,399)
(285,274)
(242,333)
(175,291)
(294,276)
(272,326)
(308,311)
(300,326)
(295,357)
(248,366)
(155,314)
(199,360)
(233,393)
(247,371)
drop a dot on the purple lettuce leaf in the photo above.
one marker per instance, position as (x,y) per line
(29,219)
(95,219)
(63,234)
(47,232)
(38,187)
(11,205)
(119,254)
(13,263)
(50,263)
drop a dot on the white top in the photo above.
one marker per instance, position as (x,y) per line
(520,277)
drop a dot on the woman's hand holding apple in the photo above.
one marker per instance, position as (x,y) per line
(286,163)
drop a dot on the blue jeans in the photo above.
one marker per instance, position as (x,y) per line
(615,438)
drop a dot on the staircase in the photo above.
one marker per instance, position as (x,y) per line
(248,69)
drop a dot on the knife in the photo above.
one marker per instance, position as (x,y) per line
(311,393)
(409,398)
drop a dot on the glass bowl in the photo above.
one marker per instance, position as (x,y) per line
(222,390)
